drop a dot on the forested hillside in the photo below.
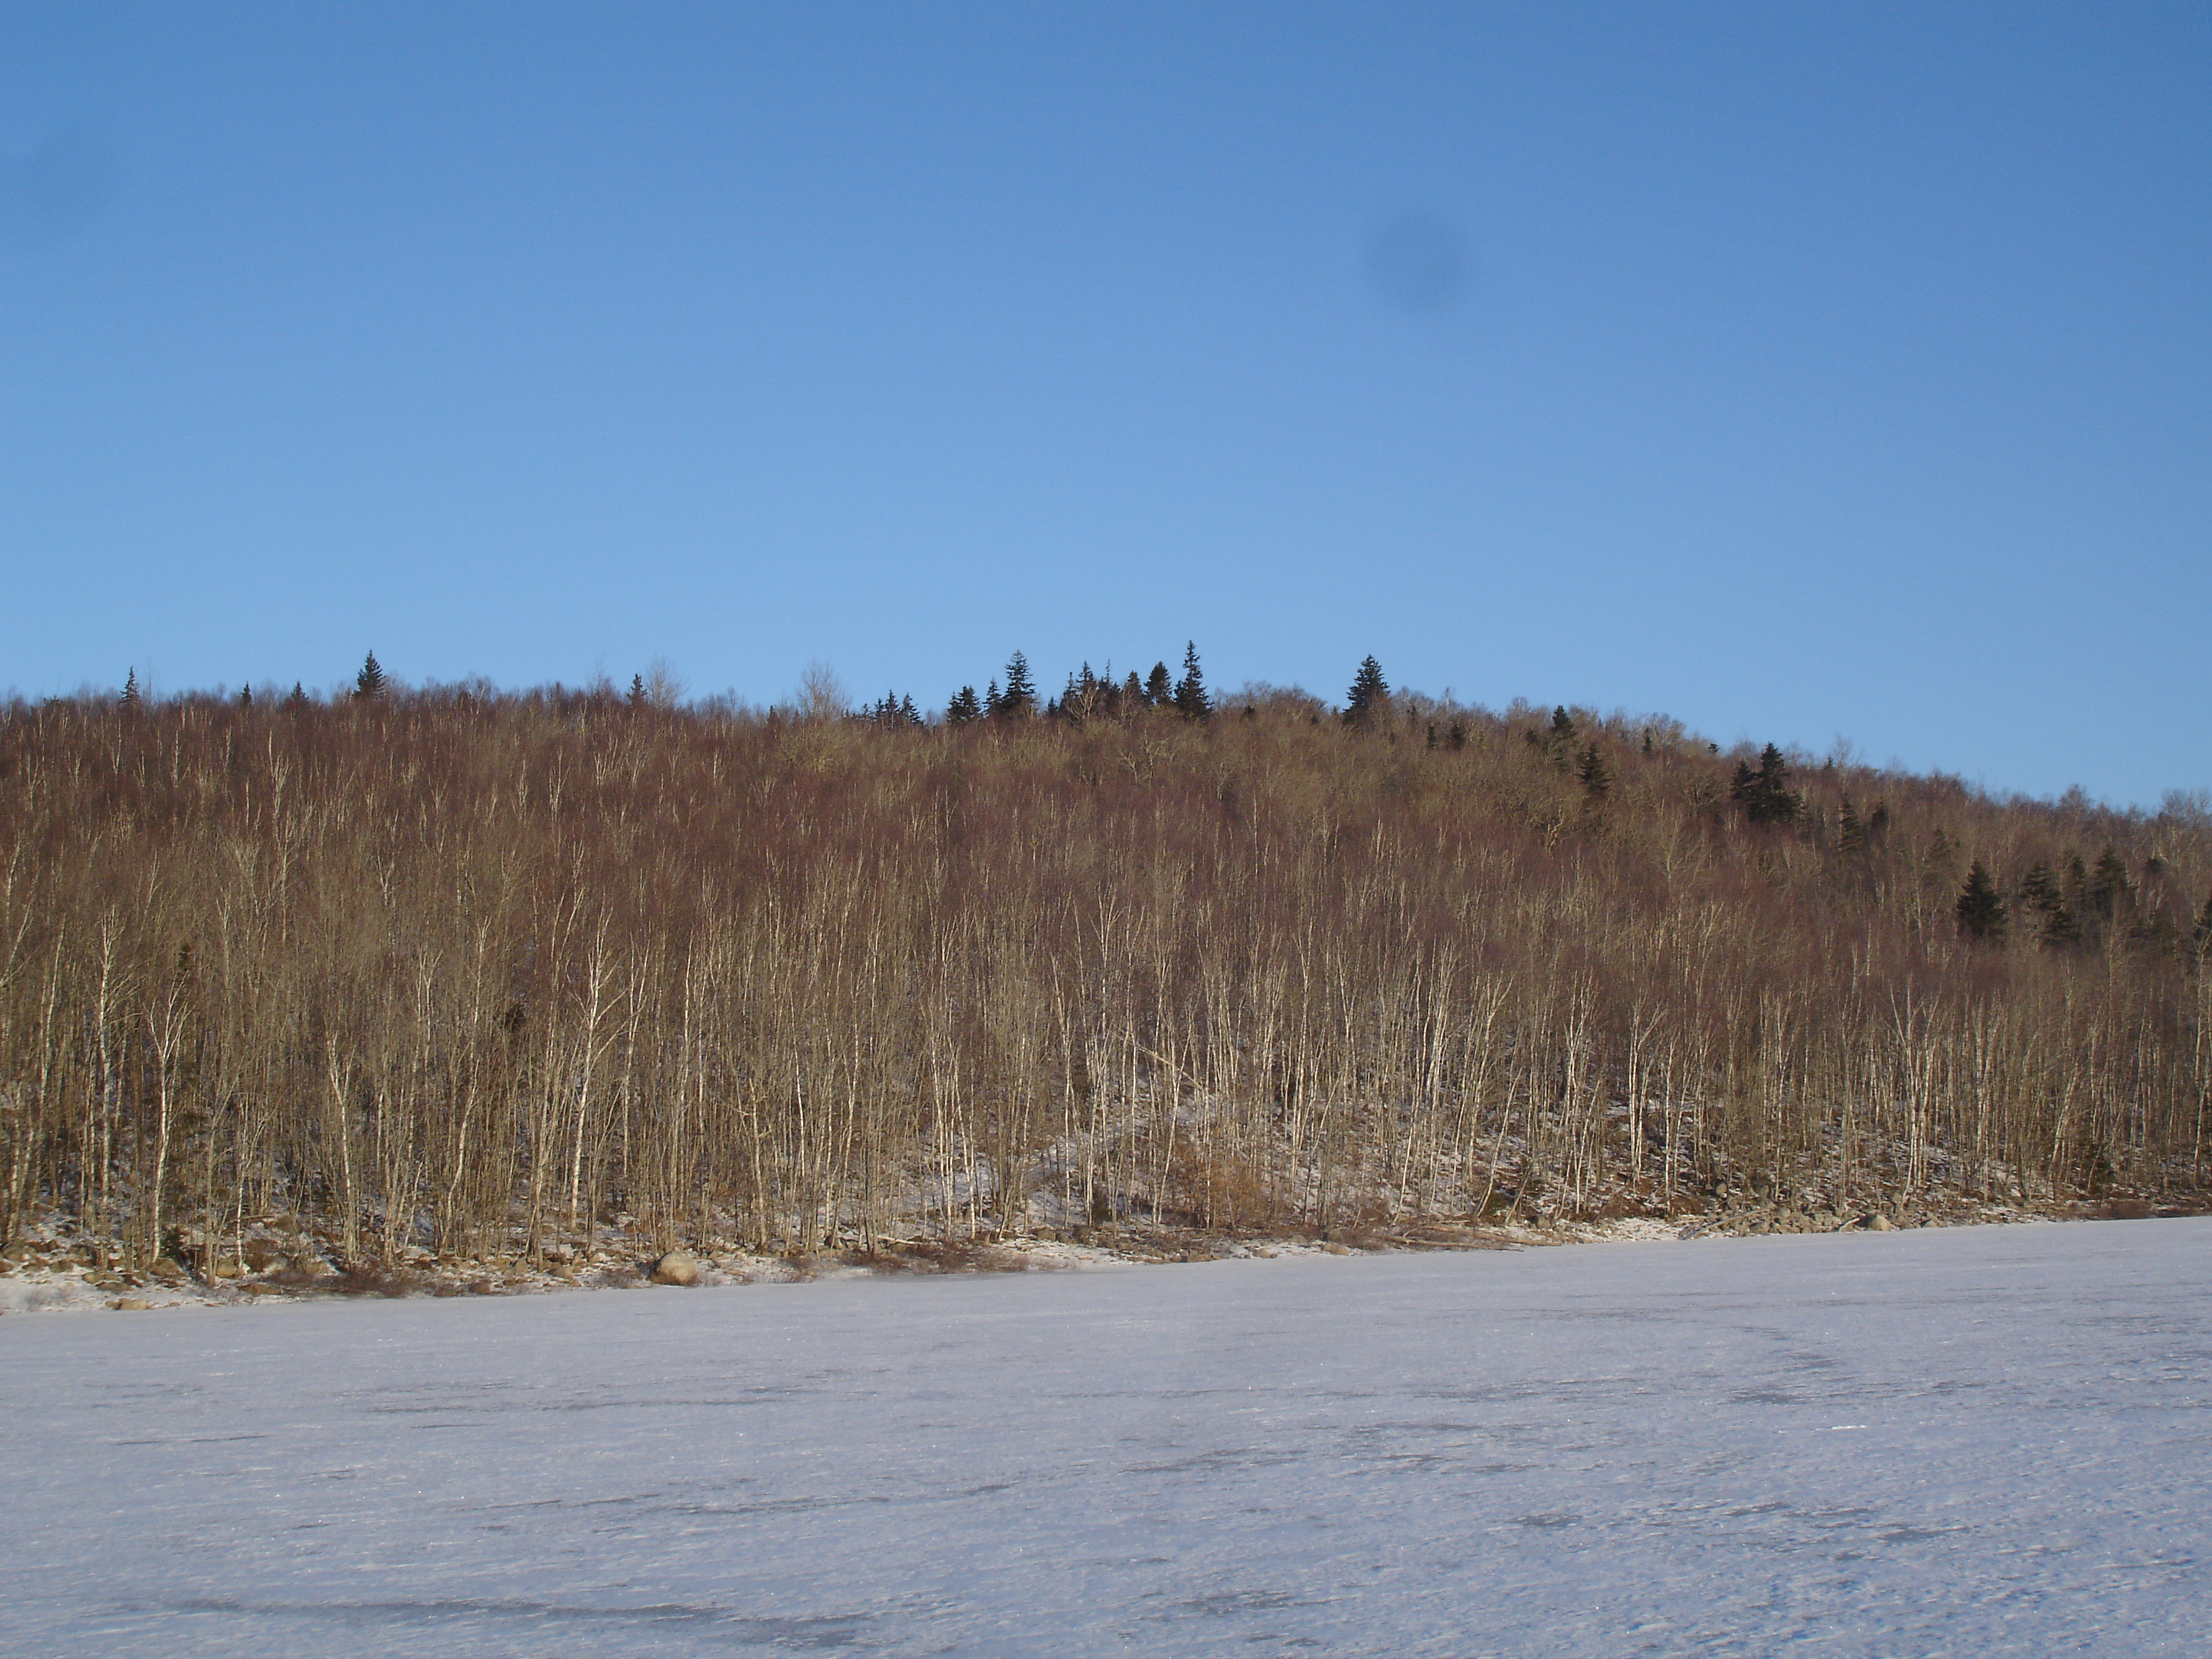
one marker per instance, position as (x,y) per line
(464,972)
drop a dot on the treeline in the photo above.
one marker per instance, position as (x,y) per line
(475,972)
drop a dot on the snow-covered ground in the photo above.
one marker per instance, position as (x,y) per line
(1975,1441)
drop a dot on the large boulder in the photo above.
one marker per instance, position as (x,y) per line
(677,1267)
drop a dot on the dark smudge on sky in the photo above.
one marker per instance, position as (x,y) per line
(57,188)
(1416,262)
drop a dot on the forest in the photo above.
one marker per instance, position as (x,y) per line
(457,972)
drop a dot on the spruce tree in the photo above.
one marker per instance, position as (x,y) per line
(129,699)
(1851,838)
(1159,689)
(1084,695)
(2060,900)
(1018,701)
(637,690)
(1370,694)
(1981,906)
(1781,806)
(2111,892)
(894,710)
(963,708)
(2074,878)
(1764,794)
(369,684)
(2038,891)
(1133,692)
(1591,769)
(1191,700)
(246,696)
(298,700)
(1558,741)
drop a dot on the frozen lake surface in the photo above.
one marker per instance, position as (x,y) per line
(1979,1441)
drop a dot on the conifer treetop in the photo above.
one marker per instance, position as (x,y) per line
(370,684)
(1981,908)
(1370,693)
(1190,697)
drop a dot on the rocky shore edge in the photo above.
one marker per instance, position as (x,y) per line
(50,1270)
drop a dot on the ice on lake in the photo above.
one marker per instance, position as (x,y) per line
(1975,1441)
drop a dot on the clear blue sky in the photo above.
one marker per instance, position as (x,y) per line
(1795,371)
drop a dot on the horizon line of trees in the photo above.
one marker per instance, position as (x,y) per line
(2052,903)
(478,971)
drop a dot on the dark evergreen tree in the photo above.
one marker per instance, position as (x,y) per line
(1556,740)
(130,699)
(1850,836)
(2058,900)
(1133,692)
(298,700)
(1459,734)
(1191,700)
(1878,823)
(965,707)
(2038,891)
(1018,701)
(1370,695)
(1764,794)
(2074,878)
(1159,688)
(1089,696)
(2110,893)
(1981,906)
(637,690)
(1590,767)
(895,711)
(370,684)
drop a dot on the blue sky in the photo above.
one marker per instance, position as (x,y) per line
(1798,372)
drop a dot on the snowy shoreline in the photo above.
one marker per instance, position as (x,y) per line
(59,1277)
